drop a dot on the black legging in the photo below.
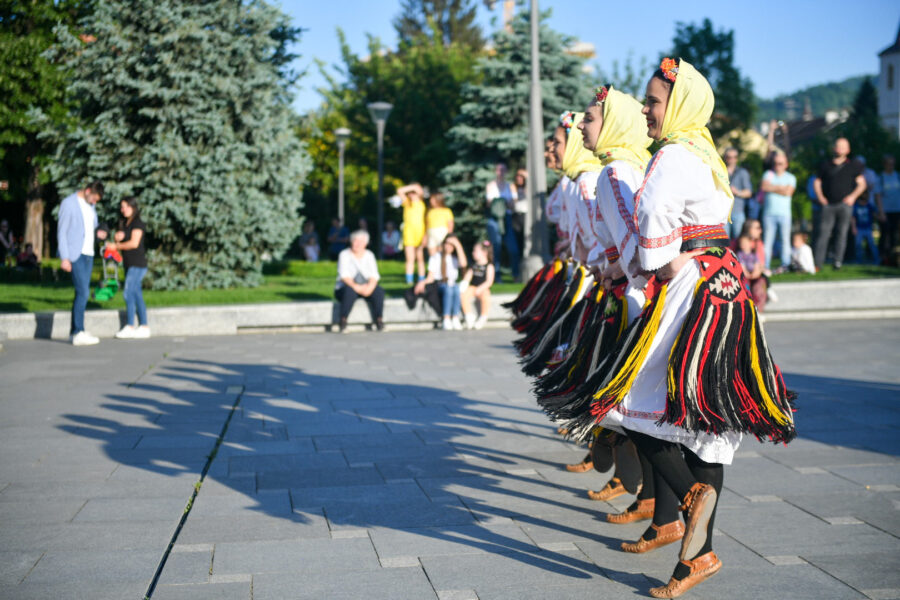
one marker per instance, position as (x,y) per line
(678,469)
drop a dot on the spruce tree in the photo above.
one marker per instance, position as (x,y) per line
(454,19)
(493,122)
(185,105)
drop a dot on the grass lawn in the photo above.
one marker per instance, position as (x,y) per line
(286,281)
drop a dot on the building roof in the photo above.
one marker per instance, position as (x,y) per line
(894,49)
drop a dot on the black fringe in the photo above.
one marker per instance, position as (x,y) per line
(530,290)
(713,381)
(559,333)
(542,303)
(535,333)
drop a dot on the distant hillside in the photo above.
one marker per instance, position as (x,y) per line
(839,94)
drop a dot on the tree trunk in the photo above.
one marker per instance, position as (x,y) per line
(34,212)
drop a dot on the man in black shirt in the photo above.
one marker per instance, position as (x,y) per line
(839,184)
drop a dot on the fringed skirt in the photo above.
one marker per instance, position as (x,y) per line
(695,369)
(533,288)
(560,299)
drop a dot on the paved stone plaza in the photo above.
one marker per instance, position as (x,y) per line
(409,465)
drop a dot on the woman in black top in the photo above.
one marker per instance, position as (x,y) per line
(480,278)
(130,241)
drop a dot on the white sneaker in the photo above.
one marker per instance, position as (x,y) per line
(83,338)
(771,296)
(479,323)
(126,333)
(456,324)
(448,325)
(142,332)
(470,320)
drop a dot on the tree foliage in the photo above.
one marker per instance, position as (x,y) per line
(712,53)
(629,76)
(493,123)
(185,106)
(28,81)
(454,20)
(821,97)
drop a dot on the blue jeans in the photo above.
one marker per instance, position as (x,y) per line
(493,235)
(450,297)
(866,234)
(81,277)
(783,224)
(134,298)
(754,208)
(738,216)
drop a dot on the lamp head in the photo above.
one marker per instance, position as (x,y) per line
(379,110)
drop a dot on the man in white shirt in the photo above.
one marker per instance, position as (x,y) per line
(357,277)
(75,236)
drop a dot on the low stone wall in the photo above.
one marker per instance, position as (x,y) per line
(871,298)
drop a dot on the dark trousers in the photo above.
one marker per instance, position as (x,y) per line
(81,278)
(834,218)
(347,297)
(889,237)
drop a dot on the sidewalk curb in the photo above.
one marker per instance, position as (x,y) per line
(807,301)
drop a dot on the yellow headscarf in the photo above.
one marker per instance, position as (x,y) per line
(624,132)
(577,159)
(690,107)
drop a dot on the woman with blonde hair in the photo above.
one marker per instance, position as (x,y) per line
(413,202)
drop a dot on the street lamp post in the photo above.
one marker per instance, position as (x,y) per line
(535,227)
(341,134)
(380,112)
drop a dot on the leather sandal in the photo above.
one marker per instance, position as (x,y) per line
(643,510)
(702,568)
(582,467)
(700,504)
(665,535)
(613,489)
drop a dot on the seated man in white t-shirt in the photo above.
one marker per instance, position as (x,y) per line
(357,276)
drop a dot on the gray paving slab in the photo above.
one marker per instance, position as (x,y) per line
(387,584)
(423,470)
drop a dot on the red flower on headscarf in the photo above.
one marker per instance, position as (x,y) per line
(601,93)
(669,68)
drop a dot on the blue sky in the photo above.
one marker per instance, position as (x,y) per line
(781,45)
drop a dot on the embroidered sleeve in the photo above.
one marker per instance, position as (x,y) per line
(658,209)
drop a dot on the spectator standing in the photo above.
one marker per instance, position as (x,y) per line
(309,242)
(887,196)
(338,237)
(778,185)
(7,243)
(76,231)
(862,224)
(390,240)
(816,207)
(129,240)
(358,277)
(742,190)
(521,209)
(840,182)
(413,202)
(501,197)
(438,223)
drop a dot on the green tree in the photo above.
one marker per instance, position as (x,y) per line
(712,53)
(28,80)
(629,76)
(493,123)
(185,105)
(453,19)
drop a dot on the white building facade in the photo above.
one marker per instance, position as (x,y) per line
(889,88)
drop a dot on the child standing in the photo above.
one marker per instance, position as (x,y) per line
(444,267)
(479,279)
(861,226)
(802,260)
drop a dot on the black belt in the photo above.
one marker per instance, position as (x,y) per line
(697,243)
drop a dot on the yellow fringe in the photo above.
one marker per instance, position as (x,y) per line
(621,383)
(623,322)
(581,285)
(770,406)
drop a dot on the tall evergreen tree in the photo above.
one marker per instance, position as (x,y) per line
(454,19)
(185,106)
(28,81)
(712,53)
(493,122)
